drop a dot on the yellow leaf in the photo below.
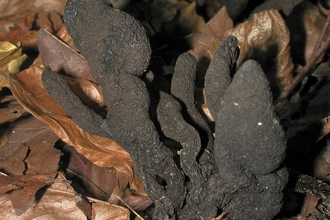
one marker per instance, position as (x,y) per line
(11,58)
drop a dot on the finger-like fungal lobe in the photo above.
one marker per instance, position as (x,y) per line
(250,145)
(183,88)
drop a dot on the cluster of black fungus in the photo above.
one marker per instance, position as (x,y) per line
(239,169)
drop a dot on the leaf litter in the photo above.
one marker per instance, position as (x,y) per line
(306,110)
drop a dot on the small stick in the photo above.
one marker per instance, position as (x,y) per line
(4,75)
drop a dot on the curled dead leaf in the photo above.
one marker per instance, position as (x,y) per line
(265,38)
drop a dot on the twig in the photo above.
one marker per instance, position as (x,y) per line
(317,52)
(4,75)
(130,208)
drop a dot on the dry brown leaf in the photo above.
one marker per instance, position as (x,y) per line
(55,202)
(28,89)
(50,21)
(22,26)
(65,37)
(61,58)
(265,38)
(29,148)
(23,189)
(24,33)
(322,164)
(214,28)
(99,182)
(310,207)
(10,8)
(104,211)
(11,110)
(136,202)
(11,58)
(14,7)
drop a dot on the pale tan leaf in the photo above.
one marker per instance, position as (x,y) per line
(55,202)
(104,211)
(266,39)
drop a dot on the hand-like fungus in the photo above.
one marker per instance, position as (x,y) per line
(243,164)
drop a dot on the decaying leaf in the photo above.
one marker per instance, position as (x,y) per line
(11,58)
(213,29)
(11,8)
(10,110)
(309,207)
(22,26)
(23,189)
(29,148)
(55,202)
(109,211)
(50,21)
(103,183)
(265,38)
(62,58)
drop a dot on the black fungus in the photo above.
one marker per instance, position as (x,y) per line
(240,169)
(251,145)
